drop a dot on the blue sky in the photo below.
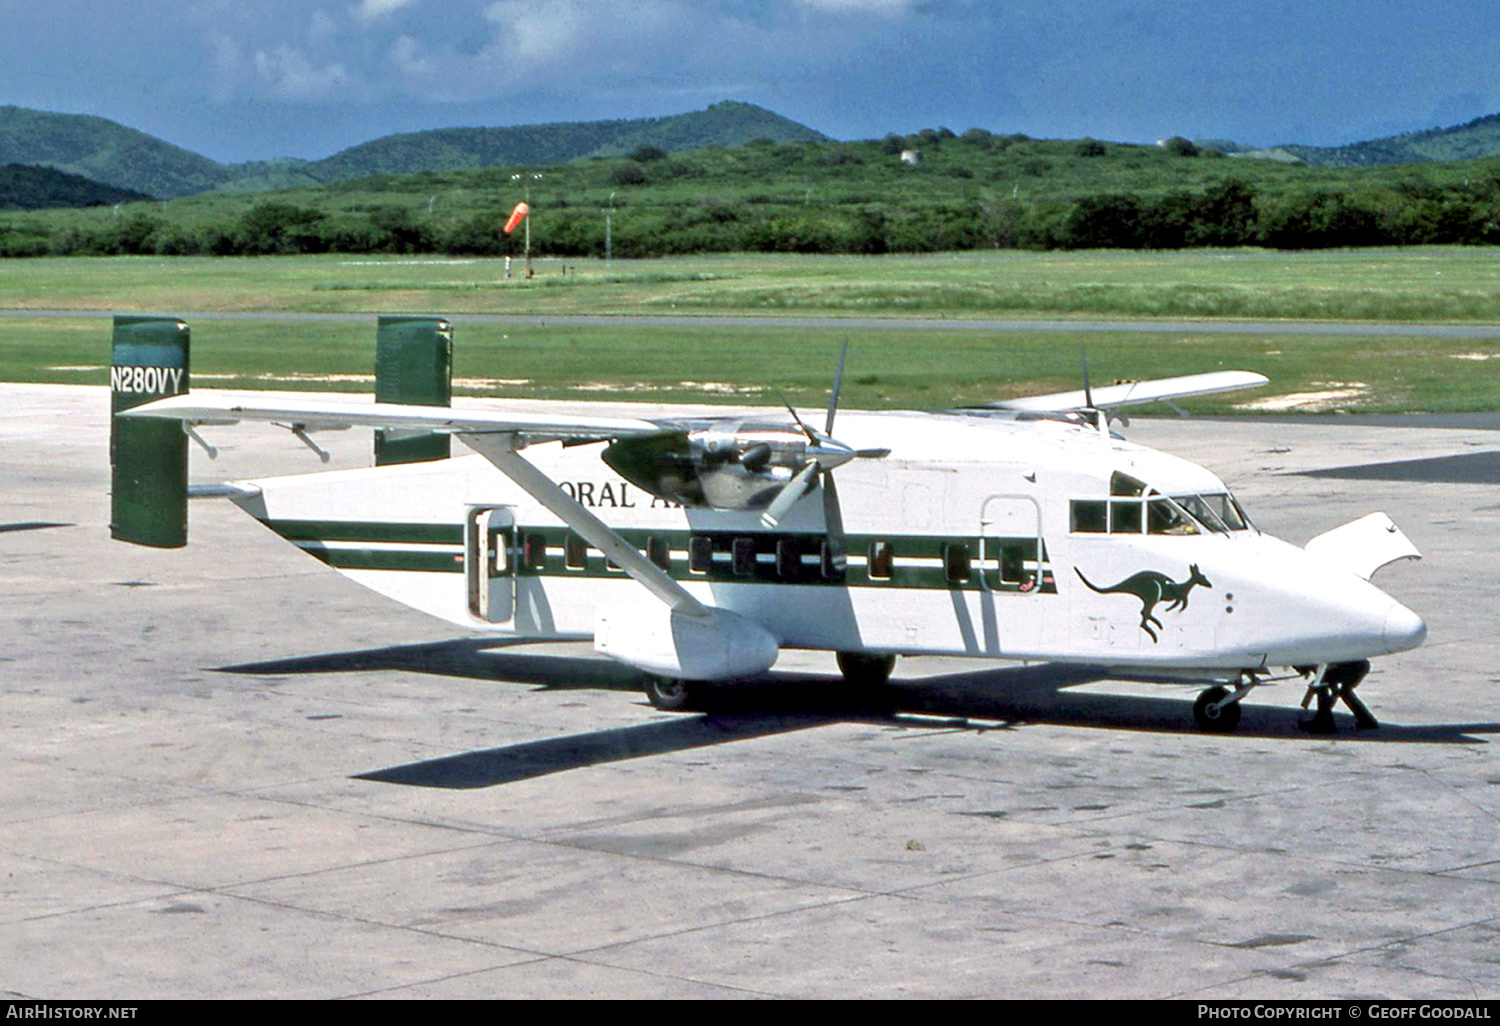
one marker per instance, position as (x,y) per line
(254,79)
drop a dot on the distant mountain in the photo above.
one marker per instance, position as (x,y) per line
(1477,138)
(107,152)
(723,124)
(37,188)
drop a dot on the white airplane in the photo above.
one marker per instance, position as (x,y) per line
(696,549)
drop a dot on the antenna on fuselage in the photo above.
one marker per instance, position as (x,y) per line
(1101,417)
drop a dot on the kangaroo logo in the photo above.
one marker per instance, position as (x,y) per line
(1152,587)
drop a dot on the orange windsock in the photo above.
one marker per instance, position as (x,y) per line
(516,217)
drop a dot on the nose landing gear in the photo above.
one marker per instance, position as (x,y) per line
(1333,683)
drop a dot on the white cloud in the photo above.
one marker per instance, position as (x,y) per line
(411,57)
(536,33)
(292,76)
(373,10)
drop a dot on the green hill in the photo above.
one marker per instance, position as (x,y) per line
(105,151)
(1469,141)
(39,188)
(447,149)
(977,190)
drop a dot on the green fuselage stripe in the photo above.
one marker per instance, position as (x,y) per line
(779,558)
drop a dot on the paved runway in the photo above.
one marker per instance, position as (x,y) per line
(226,771)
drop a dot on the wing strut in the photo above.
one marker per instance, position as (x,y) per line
(500,449)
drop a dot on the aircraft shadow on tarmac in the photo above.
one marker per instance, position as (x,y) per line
(31,525)
(976,701)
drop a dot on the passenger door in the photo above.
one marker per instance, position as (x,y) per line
(489,563)
(1012,554)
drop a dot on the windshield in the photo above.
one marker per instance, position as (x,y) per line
(1217,511)
(1134,507)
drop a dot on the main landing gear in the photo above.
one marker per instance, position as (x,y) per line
(866,671)
(672,694)
(1333,683)
(1212,713)
(1217,710)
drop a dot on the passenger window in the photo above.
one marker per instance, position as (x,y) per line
(956,562)
(744,556)
(1012,564)
(659,552)
(831,562)
(1089,517)
(534,552)
(882,560)
(701,554)
(1164,518)
(576,552)
(788,559)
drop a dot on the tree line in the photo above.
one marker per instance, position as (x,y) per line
(1225,214)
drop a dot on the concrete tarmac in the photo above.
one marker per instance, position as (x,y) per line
(225,771)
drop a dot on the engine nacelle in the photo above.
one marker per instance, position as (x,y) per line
(742,465)
(652,637)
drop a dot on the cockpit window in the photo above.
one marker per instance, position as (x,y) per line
(1135,507)
(1217,512)
(1163,516)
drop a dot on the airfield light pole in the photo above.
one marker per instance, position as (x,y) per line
(528,179)
(609,247)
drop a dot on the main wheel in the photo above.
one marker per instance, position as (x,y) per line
(1219,720)
(670,694)
(866,669)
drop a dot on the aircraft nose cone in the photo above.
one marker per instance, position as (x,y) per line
(1403,629)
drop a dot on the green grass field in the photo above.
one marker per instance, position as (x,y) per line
(891,367)
(1420,284)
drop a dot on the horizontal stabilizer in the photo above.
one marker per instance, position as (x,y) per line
(1134,393)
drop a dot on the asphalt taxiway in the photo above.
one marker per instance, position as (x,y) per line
(225,771)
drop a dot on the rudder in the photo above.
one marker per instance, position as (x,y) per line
(148,458)
(413,364)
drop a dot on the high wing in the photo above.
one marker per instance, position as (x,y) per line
(497,436)
(312,414)
(1133,393)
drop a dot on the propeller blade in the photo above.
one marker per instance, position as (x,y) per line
(1088,393)
(833,524)
(788,496)
(838,383)
(804,428)
(871,454)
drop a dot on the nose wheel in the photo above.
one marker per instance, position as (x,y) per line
(1212,713)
